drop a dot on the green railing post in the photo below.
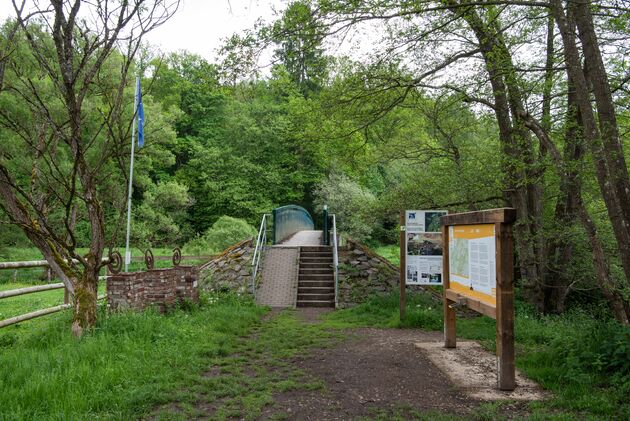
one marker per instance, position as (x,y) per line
(325,226)
(273,239)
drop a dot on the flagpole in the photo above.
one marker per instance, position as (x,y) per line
(130,189)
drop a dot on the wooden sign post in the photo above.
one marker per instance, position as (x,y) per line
(478,273)
(403,263)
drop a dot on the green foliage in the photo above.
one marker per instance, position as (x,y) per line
(223,233)
(300,49)
(352,204)
(161,217)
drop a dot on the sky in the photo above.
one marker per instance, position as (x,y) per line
(200,25)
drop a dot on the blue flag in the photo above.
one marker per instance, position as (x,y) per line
(140,111)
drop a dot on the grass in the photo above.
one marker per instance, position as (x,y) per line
(390,252)
(127,365)
(583,358)
(242,384)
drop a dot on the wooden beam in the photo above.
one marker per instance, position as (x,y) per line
(450,333)
(503,215)
(505,306)
(32,315)
(473,304)
(403,263)
(30,290)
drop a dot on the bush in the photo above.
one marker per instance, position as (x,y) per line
(225,232)
(352,204)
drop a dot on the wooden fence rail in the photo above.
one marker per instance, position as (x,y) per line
(44,263)
(47,287)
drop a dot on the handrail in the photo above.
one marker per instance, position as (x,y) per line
(261,240)
(335,259)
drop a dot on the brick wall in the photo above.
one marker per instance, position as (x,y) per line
(161,288)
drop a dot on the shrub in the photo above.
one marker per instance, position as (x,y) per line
(225,232)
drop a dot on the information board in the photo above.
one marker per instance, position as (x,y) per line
(472,261)
(423,247)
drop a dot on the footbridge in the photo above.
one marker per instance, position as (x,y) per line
(295,265)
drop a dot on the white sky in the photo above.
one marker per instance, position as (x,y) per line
(200,25)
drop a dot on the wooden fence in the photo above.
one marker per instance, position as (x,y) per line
(47,287)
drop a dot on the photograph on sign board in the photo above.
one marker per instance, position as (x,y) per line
(424,244)
(432,221)
(424,270)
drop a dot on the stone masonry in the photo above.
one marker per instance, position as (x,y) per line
(160,288)
(363,273)
(230,270)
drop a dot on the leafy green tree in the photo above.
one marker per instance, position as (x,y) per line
(300,46)
(63,86)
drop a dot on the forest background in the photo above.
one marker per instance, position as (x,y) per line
(456,106)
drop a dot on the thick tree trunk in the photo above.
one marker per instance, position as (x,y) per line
(84,301)
(603,140)
(523,187)
(560,248)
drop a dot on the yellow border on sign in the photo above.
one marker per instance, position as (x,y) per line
(481,296)
(471,232)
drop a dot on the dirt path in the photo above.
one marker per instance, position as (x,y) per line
(376,372)
(290,368)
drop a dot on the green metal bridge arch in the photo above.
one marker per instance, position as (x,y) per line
(287,220)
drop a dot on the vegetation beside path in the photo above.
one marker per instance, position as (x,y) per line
(225,359)
(582,357)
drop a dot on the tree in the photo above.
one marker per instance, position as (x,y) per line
(71,122)
(300,49)
(472,49)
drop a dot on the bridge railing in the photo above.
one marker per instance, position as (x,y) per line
(287,220)
(261,241)
(335,244)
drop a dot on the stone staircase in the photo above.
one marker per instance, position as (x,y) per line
(316,279)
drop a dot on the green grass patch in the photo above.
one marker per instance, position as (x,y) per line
(241,384)
(390,252)
(583,358)
(121,370)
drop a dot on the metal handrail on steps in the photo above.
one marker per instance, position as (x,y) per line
(261,240)
(335,259)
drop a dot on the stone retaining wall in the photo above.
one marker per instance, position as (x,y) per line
(161,288)
(362,272)
(230,270)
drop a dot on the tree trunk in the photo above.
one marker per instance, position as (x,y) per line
(523,187)
(610,169)
(85,294)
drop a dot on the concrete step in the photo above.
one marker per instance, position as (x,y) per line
(316,277)
(316,303)
(316,249)
(328,289)
(313,255)
(316,284)
(319,260)
(316,296)
(314,271)
(316,265)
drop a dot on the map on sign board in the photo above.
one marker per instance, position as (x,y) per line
(472,261)
(424,246)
